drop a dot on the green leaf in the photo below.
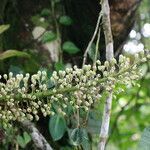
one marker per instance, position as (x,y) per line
(37,22)
(13,53)
(21,141)
(85,141)
(48,37)
(15,70)
(94,122)
(57,127)
(70,48)
(145,140)
(91,52)
(27,137)
(59,66)
(3,28)
(45,12)
(78,136)
(65,20)
(66,148)
(56,1)
(35,19)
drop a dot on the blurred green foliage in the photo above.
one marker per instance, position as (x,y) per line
(131,109)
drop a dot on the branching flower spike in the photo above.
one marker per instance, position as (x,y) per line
(24,96)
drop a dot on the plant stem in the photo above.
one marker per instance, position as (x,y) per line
(97,46)
(57,30)
(107,30)
(109,56)
(105,122)
(78,118)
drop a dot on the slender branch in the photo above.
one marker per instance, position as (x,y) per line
(78,118)
(97,46)
(92,39)
(109,56)
(38,139)
(57,29)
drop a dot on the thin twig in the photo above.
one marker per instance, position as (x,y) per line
(97,46)
(78,118)
(17,146)
(57,29)
(92,39)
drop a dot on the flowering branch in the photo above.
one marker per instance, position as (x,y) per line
(23,96)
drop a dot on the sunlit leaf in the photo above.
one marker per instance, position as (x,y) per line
(3,28)
(13,53)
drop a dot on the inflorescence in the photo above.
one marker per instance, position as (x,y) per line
(25,96)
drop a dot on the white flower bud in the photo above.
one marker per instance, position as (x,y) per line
(5,76)
(44,73)
(121,58)
(39,73)
(10,74)
(101,68)
(98,62)
(106,64)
